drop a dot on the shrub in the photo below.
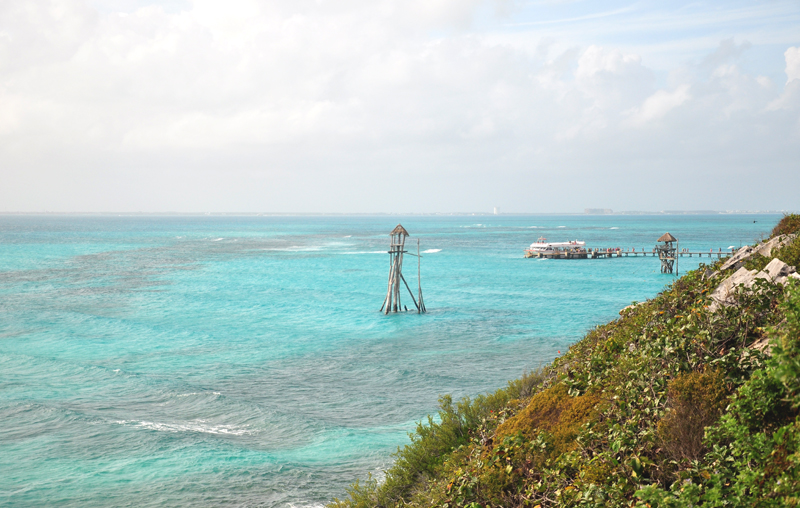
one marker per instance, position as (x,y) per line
(790,223)
(696,401)
(787,346)
(754,449)
(637,409)
(756,262)
(790,254)
(433,442)
(554,412)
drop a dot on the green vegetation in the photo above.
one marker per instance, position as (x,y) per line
(670,405)
(790,224)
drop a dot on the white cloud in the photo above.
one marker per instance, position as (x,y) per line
(661,103)
(789,100)
(318,106)
(596,61)
(792,63)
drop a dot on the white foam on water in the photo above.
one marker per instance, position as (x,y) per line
(431,251)
(218,239)
(562,226)
(196,393)
(613,228)
(294,248)
(199,426)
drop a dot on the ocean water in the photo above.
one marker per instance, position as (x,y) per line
(242,361)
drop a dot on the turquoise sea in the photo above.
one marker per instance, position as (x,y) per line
(242,361)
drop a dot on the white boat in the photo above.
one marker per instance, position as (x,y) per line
(542,248)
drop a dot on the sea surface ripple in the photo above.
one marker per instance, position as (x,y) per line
(242,361)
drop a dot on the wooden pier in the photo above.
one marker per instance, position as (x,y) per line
(621,253)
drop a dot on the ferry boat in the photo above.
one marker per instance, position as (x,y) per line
(541,248)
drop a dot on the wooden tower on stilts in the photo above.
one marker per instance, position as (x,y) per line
(396,251)
(667,253)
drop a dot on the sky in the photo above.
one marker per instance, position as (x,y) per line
(398,106)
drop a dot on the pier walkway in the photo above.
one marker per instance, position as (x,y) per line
(620,253)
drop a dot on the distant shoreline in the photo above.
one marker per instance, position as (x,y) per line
(399,214)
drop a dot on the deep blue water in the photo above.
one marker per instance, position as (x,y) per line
(242,361)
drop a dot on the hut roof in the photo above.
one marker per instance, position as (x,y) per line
(666,237)
(399,230)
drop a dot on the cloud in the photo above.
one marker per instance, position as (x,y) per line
(725,52)
(789,100)
(792,64)
(661,103)
(313,106)
(612,79)
(42,32)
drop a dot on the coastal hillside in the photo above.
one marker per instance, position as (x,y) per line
(690,398)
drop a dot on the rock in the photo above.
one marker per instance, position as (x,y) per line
(767,248)
(724,293)
(763,345)
(629,307)
(776,271)
(740,255)
(777,268)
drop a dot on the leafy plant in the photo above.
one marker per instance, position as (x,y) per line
(696,400)
(790,223)
(669,405)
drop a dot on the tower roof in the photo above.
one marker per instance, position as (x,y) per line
(666,237)
(399,230)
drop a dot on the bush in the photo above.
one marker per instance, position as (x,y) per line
(790,223)
(635,410)
(756,262)
(696,401)
(787,346)
(554,412)
(434,441)
(790,254)
(754,449)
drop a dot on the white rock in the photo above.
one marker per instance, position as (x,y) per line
(629,307)
(761,275)
(741,254)
(724,293)
(768,248)
(777,268)
(765,249)
(763,345)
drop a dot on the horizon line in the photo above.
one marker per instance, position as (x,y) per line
(508,214)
